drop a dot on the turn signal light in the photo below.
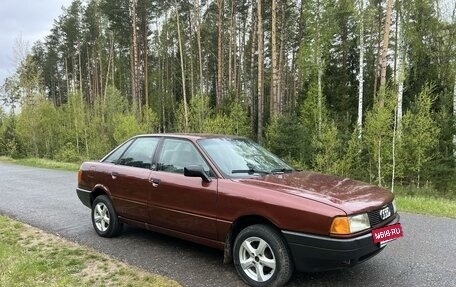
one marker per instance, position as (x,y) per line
(350,224)
(340,225)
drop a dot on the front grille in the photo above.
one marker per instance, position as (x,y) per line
(374,216)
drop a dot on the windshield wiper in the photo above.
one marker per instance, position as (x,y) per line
(284,170)
(249,171)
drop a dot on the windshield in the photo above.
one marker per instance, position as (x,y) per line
(242,157)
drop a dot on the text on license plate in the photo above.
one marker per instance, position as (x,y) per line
(387,233)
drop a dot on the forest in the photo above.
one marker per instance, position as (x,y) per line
(357,88)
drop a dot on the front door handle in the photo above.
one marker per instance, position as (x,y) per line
(155,182)
(114,174)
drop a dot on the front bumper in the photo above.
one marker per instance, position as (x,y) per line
(318,253)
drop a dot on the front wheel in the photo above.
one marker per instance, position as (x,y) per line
(104,217)
(261,257)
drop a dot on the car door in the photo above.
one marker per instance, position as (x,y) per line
(181,203)
(129,183)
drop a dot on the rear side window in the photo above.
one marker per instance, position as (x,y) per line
(115,155)
(140,153)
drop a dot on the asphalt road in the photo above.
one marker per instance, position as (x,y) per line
(425,256)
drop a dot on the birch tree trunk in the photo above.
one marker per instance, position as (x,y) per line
(181,52)
(235,52)
(253,105)
(100,80)
(241,64)
(386,35)
(320,93)
(192,78)
(274,64)
(297,77)
(361,72)
(393,172)
(198,41)
(281,79)
(231,46)
(454,119)
(454,95)
(379,162)
(376,63)
(260,36)
(67,75)
(146,61)
(110,64)
(80,67)
(135,80)
(219,89)
(399,76)
(319,69)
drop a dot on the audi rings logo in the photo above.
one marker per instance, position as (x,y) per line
(385,213)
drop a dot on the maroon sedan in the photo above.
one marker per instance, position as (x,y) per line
(230,193)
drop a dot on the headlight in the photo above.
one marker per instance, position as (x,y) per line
(350,224)
(359,222)
(394,206)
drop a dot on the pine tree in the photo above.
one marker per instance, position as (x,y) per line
(420,134)
(378,137)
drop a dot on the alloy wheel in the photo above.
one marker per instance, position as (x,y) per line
(101,216)
(257,259)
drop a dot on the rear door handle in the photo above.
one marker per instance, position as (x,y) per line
(155,182)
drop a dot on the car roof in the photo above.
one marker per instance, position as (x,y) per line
(190,136)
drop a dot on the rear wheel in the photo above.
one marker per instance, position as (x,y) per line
(261,257)
(104,217)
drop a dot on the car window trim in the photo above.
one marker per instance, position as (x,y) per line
(134,139)
(159,150)
(128,142)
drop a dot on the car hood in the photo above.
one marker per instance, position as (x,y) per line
(346,194)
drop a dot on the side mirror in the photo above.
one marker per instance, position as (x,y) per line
(196,171)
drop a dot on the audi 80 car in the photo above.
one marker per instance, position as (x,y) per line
(230,193)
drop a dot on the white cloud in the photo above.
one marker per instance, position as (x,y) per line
(30,20)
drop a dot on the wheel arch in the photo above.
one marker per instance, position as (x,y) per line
(236,227)
(97,191)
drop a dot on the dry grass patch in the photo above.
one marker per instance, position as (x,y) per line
(32,257)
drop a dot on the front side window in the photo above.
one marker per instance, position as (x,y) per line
(177,154)
(140,153)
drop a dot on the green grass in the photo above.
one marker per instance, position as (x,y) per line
(426,205)
(31,257)
(426,200)
(426,192)
(42,162)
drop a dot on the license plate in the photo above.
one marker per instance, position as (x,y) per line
(387,233)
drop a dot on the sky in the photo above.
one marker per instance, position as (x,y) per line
(28,20)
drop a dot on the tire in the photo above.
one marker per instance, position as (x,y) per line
(104,217)
(261,256)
